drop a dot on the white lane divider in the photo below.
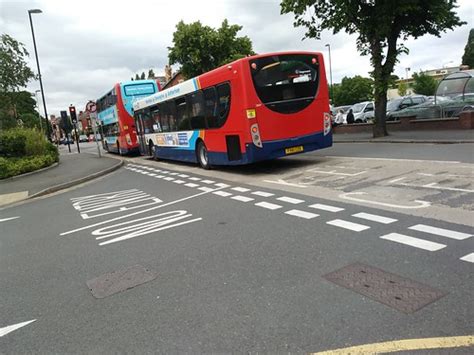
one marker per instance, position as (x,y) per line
(328,208)
(302,214)
(194,178)
(222,193)
(152,174)
(242,198)
(191,184)
(8,219)
(174,173)
(168,178)
(440,231)
(414,242)
(374,218)
(262,193)
(183,176)
(356,227)
(159,176)
(205,189)
(179,182)
(469,258)
(220,184)
(268,205)
(208,181)
(240,189)
(292,200)
(11,328)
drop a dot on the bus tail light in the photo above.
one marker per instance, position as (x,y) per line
(327,123)
(254,132)
(129,140)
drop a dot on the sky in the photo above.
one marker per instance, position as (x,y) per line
(86,46)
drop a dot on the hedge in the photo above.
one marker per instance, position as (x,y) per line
(24,150)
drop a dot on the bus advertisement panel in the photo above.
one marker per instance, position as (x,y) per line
(256,108)
(115,114)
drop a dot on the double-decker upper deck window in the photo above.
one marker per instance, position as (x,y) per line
(286,83)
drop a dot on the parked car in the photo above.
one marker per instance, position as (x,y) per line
(401,103)
(344,112)
(363,111)
(83,138)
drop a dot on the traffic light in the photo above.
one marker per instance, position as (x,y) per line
(72,113)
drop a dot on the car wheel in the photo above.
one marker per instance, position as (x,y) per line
(202,155)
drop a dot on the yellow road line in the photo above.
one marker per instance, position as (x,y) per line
(405,345)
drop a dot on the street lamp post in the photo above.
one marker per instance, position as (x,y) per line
(330,68)
(38,11)
(37,106)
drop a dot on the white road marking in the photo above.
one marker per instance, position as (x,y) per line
(262,193)
(394,159)
(334,172)
(174,174)
(152,174)
(222,193)
(190,184)
(435,186)
(159,176)
(183,176)
(194,178)
(205,189)
(283,182)
(421,204)
(397,180)
(440,231)
(179,182)
(302,214)
(242,198)
(168,178)
(220,184)
(292,200)
(328,208)
(414,242)
(425,174)
(375,218)
(348,225)
(268,205)
(8,219)
(5,330)
(469,258)
(208,181)
(240,189)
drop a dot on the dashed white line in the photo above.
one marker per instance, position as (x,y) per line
(152,174)
(205,189)
(168,178)
(268,205)
(222,193)
(159,176)
(220,184)
(194,178)
(356,227)
(414,242)
(208,181)
(240,189)
(375,218)
(302,214)
(183,176)
(190,184)
(469,258)
(8,219)
(328,208)
(440,231)
(262,193)
(179,182)
(174,174)
(292,200)
(242,198)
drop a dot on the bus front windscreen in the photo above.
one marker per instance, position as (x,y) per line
(286,83)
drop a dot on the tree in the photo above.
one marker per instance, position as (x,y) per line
(424,84)
(468,57)
(353,90)
(379,25)
(199,48)
(402,88)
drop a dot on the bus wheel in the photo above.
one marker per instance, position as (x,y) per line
(202,157)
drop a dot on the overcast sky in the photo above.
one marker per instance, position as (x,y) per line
(86,46)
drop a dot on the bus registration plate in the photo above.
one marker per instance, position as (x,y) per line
(293,150)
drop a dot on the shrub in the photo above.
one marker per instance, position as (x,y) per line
(12,144)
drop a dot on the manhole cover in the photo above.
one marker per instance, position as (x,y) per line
(392,290)
(120,280)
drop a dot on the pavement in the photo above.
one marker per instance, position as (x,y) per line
(71,170)
(441,137)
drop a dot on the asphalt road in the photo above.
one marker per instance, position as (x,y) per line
(238,268)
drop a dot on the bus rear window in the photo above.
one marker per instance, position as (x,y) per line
(139,89)
(286,83)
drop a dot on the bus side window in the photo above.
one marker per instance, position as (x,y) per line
(197,112)
(210,103)
(223,102)
(155,120)
(182,116)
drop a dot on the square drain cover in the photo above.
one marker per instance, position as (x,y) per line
(120,280)
(392,290)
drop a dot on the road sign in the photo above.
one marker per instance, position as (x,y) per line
(91,106)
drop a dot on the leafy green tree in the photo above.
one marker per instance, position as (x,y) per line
(199,48)
(353,90)
(402,88)
(380,24)
(424,84)
(468,57)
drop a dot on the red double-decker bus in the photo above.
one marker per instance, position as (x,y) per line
(115,114)
(256,108)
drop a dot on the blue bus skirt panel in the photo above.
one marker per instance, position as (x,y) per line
(270,150)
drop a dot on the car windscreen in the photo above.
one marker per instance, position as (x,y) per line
(357,108)
(392,105)
(286,83)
